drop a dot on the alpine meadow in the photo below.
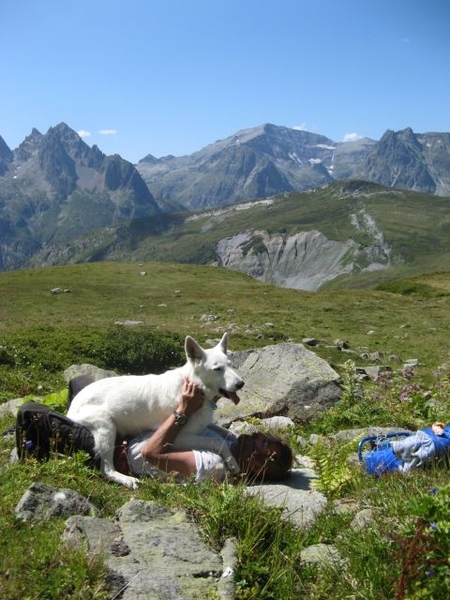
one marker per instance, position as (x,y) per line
(43,333)
(110,264)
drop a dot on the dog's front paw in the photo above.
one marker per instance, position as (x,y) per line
(132,483)
(232,465)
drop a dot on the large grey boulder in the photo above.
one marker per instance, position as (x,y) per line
(89,370)
(285,379)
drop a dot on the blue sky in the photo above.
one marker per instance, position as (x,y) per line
(160,77)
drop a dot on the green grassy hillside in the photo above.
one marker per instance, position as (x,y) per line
(406,319)
(416,227)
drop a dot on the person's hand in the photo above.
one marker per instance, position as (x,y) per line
(191,398)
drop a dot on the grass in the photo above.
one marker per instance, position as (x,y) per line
(404,551)
(175,299)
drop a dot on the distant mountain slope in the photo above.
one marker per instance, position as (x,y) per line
(345,234)
(403,159)
(253,163)
(268,160)
(54,187)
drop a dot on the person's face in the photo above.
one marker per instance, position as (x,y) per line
(255,451)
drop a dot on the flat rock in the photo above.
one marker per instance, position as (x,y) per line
(156,551)
(300,502)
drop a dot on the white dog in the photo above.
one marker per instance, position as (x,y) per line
(130,404)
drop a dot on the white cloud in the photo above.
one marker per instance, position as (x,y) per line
(301,127)
(107,131)
(352,137)
(83,133)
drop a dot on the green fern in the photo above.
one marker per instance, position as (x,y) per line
(335,473)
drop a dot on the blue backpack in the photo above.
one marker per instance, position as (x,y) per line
(379,457)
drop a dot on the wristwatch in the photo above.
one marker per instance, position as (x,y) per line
(180,418)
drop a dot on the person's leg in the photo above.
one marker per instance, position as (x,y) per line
(76,384)
(41,431)
(33,431)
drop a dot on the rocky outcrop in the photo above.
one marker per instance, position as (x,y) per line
(298,499)
(42,502)
(152,551)
(155,552)
(304,260)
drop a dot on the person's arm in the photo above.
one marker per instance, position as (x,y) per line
(158,449)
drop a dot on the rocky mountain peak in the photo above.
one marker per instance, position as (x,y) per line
(5,151)
(150,159)
(405,137)
(63,134)
(253,163)
(55,162)
(57,188)
(6,156)
(398,160)
(29,146)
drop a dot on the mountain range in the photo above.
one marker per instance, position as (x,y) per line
(63,201)
(269,160)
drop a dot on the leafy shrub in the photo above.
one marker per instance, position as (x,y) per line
(408,288)
(33,361)
(140,352)
(335,474)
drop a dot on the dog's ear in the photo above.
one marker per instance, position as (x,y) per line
(194,351)
(223,344)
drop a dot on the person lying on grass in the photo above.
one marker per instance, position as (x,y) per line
(261,457)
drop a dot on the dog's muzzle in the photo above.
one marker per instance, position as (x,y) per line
(233,395)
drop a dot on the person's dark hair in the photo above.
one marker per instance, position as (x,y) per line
(276,468)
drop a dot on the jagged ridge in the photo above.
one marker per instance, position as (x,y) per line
(54,187)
